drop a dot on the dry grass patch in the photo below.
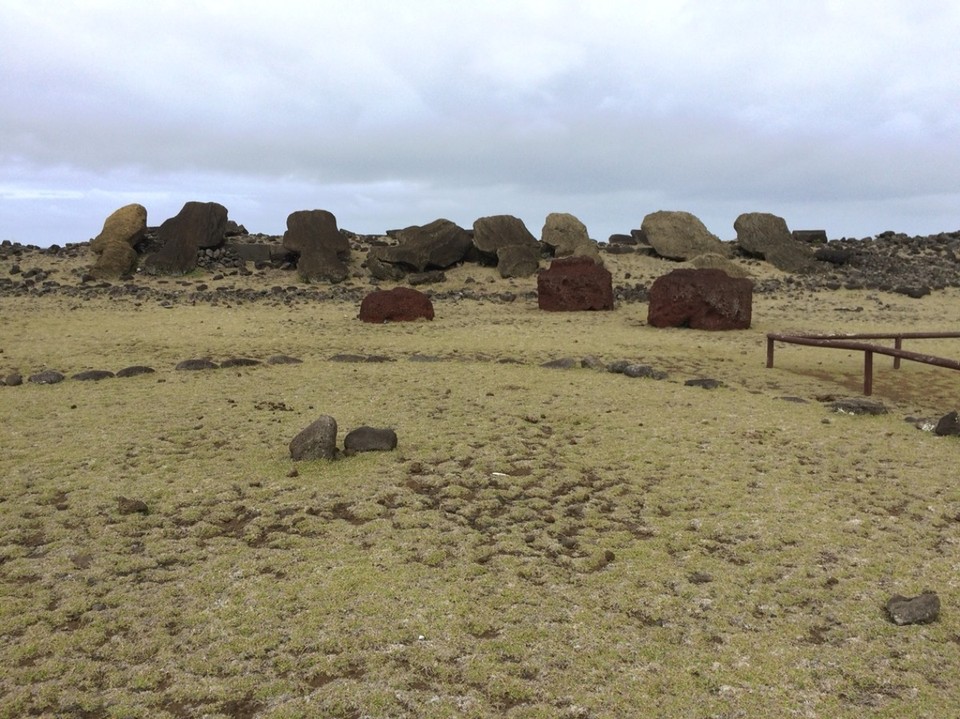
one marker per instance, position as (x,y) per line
(543,543)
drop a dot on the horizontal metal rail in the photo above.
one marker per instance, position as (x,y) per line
(852,342)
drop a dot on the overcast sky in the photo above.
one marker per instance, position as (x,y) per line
(838,115)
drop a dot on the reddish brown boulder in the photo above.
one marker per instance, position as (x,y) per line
(572,284)
(701,299)
(401,304)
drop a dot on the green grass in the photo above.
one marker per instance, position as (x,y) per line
(543,543)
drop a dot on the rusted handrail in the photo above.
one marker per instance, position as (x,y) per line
(850,342)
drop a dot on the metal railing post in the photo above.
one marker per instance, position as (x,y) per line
(867,373)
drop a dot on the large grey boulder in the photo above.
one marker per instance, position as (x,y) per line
(197,226)
(767,236)
(316,441)
(677,235)
(518,260)
(566,236)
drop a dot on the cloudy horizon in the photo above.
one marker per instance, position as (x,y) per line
(840,116)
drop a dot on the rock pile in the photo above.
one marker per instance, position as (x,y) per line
(318,440)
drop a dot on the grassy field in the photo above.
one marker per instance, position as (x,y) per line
(543,542)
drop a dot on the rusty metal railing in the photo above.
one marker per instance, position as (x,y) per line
(852,342)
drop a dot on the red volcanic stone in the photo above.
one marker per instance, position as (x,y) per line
(401,304)
(571,284)
(701,299)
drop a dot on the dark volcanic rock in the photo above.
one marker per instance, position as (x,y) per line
(198,225)
(131,506)
(401,304)
(858,405)
(135,370)
(575,284)
(46,377)
(239,362)
(636,371)
(323,250)
(14,379)
(703,382)
(93,375)
(316,441)
(283,359)
(948,425)
(766,235)
(437,246)
(700,299)
(921,609)
(370,439)
(492,233)
(196,364)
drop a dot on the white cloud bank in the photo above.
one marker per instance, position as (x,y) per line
(839,115)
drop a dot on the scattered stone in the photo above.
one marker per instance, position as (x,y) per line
(591,362)
(700,299)
(858,406)
(948,425)
(198,225)
(680,236)
(196,364)
(700,578)
(46,377)
(921,609)
(14,379)
(912,291)
(767,236)
(239,362)
(562,363)
(811,237)
(573,284)
(360,358)
(704,382)
(135,370)
(131,506)
(431,277)
(93,375)
(370,439)
(316,441)
(283,359)
(401,304)
(645,371)
(618,366)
